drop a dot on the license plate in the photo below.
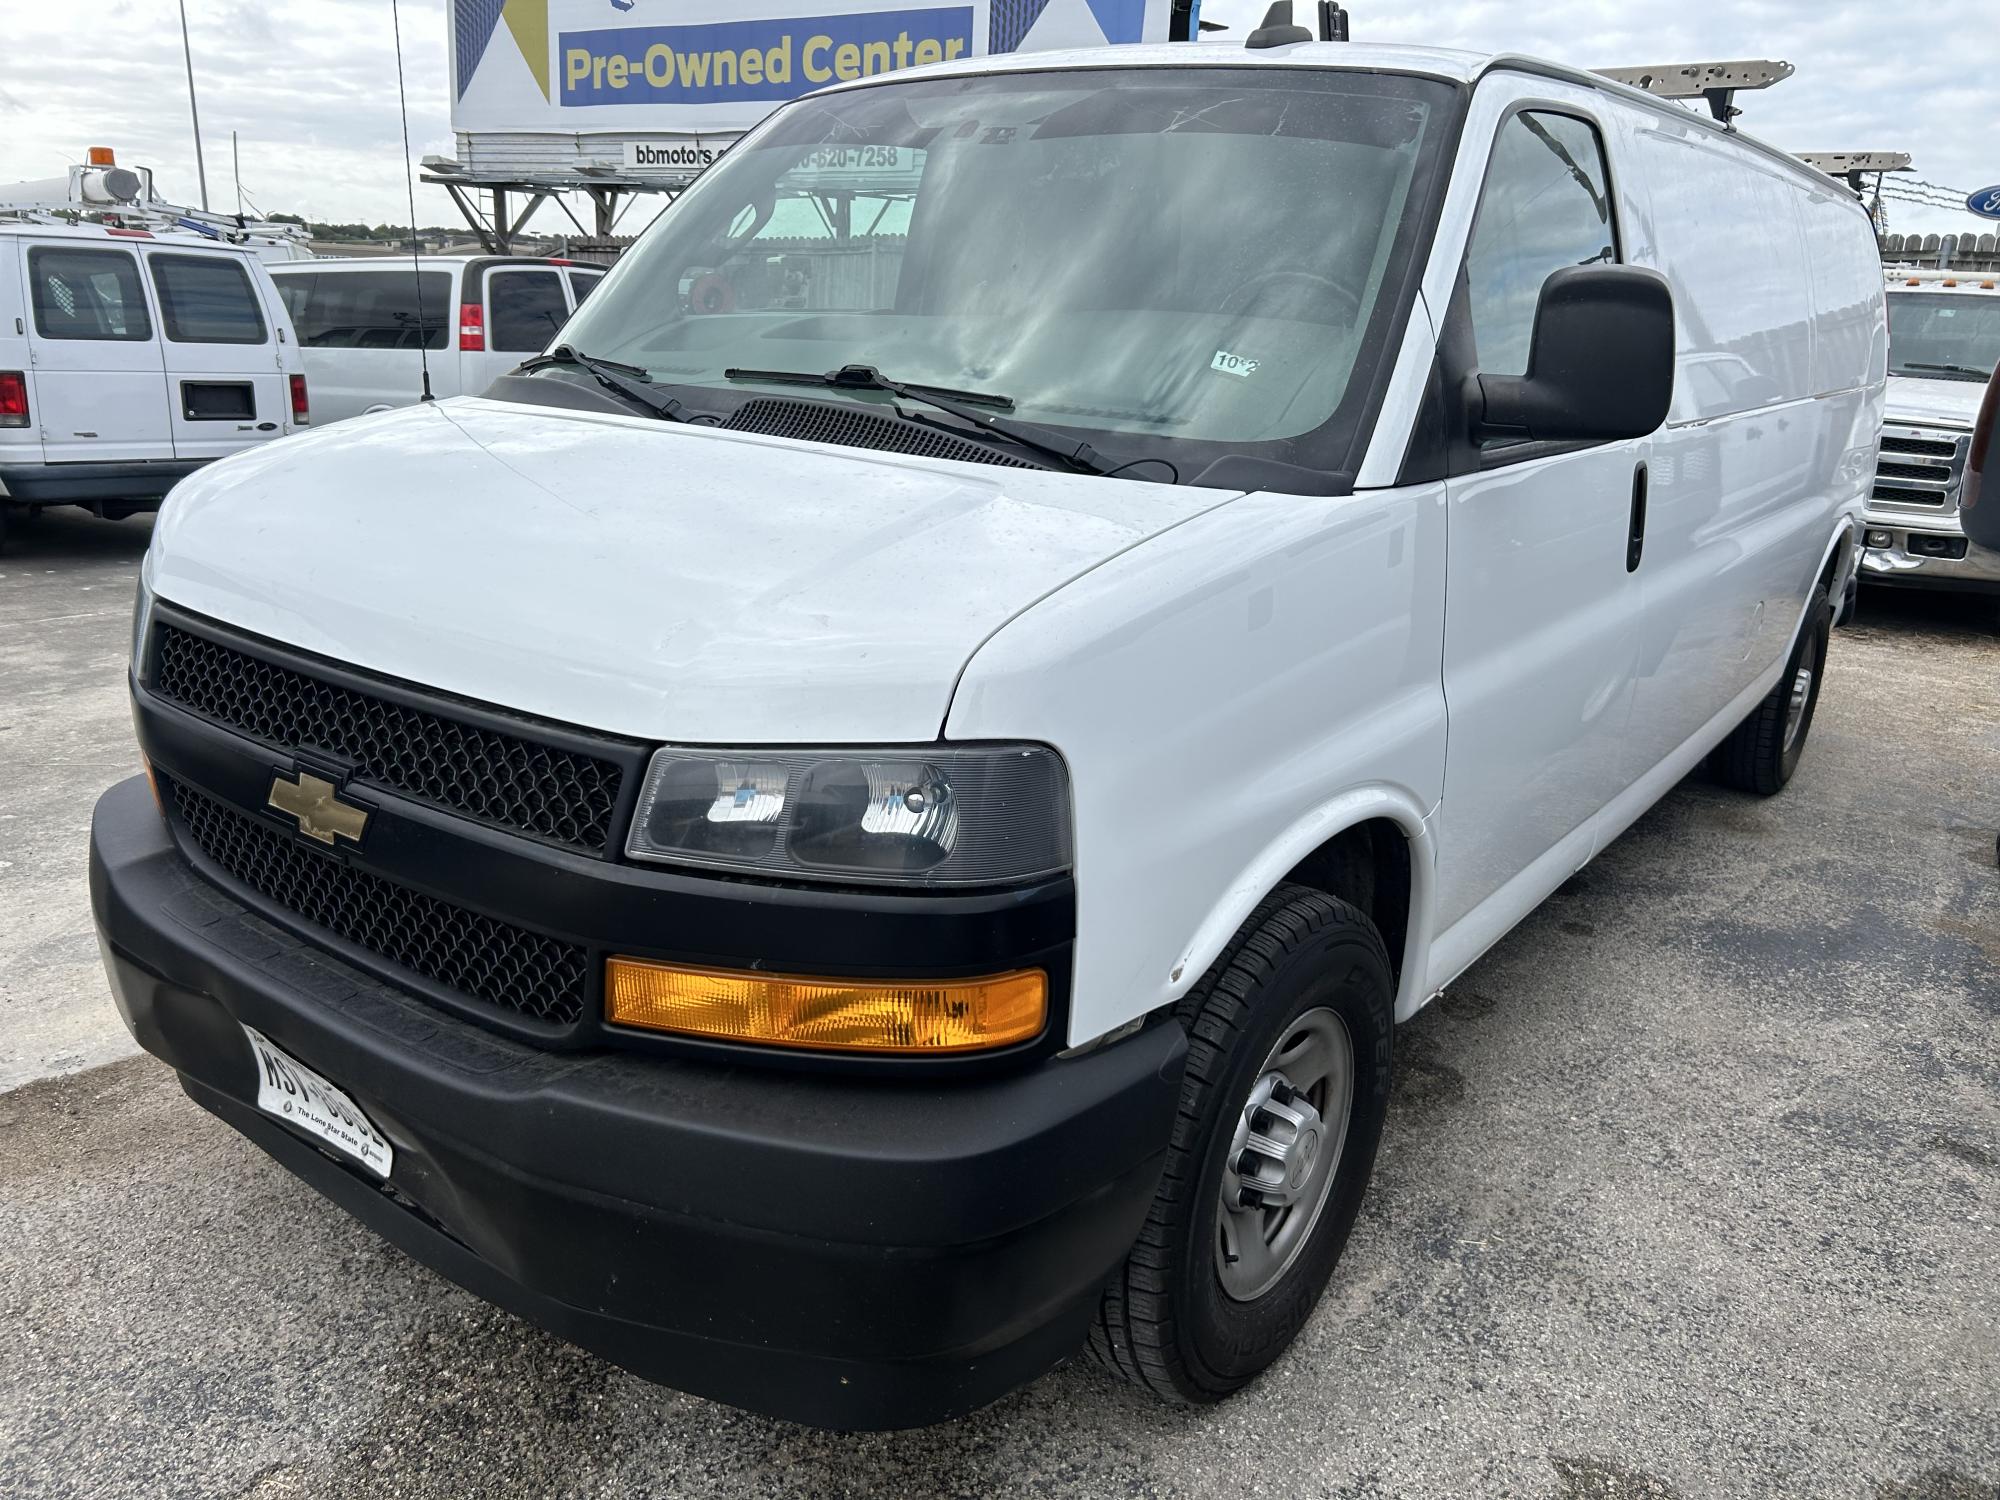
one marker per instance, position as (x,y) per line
(294,1093)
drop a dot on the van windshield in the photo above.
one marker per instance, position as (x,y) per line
(1943,335)
(1167,260)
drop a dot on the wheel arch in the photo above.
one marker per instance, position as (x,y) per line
(1371,846)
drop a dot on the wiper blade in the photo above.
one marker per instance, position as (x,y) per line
(629,381)
(1949,369)
(1076,455)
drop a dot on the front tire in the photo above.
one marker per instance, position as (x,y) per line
(1762,752)
(1287,1082)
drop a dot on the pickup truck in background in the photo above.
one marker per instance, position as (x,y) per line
(1944,345)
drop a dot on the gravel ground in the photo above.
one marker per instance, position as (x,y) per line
(1690,1187)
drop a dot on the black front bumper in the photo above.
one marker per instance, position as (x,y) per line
(852,1252)
(139,484)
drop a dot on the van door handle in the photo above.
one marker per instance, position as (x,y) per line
(1635,536)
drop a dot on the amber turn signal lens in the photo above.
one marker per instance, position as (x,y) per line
(859,1015)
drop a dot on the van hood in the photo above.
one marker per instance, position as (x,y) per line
(1954,403)
(660,581)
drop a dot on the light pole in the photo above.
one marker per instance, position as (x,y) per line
(187,51)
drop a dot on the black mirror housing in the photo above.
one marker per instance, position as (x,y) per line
(1600,363)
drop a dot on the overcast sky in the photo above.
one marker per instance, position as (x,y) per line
(309,85)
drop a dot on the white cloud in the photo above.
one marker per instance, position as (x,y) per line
(309,85)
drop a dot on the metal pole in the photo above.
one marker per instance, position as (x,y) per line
(187,51)
(236,165)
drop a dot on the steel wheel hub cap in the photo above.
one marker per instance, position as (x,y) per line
(1281,1141)
(1283,1154)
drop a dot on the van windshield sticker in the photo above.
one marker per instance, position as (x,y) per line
(1233,364)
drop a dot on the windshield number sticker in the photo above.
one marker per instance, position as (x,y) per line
(1226,363)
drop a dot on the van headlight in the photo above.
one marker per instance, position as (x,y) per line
(986,815)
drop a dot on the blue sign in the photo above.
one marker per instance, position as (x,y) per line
(1985,202)
(764,59)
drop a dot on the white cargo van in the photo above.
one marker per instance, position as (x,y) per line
(1944,343)
(128,360)
(361,323)
(869,818)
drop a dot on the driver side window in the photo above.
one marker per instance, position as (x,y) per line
(1546,204)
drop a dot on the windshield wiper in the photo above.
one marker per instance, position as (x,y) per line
(629,381)
(1079,456)
(1949,369)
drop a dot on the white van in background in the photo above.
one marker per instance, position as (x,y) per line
(128,360)
(1944,342)
(360,323)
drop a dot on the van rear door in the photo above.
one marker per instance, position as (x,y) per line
(526,307)
(225,385)
(99,381)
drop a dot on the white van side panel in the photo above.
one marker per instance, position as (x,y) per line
(1752,475)
(1281,681)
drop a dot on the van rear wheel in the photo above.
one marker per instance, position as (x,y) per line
(1762,752)
(1287,1081)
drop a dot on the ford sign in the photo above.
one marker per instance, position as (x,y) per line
(1985,202)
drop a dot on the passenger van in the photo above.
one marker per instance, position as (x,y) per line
(361,323)
(868,818)
(1944,343)
(129,360)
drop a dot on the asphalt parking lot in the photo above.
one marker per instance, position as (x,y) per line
(1690,1188)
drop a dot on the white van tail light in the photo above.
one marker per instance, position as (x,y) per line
(301,404)
(471,328)
(13,398)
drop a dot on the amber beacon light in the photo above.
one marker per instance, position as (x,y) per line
(855,1015)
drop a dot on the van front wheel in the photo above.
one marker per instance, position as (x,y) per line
(1287,1081)
(1762,752)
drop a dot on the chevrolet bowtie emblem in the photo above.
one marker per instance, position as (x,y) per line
(316,804)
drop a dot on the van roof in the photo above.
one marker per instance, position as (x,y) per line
(99,233)
(1449,63)
(426,262)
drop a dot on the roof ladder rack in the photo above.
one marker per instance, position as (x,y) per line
(1716,83)
(1855,165)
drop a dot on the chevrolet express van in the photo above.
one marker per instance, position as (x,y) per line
(1944,344)
(866,820)
(128,360)
(367,328)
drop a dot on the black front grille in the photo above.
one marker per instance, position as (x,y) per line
(1929,447)
(1907,494)
(1889,469)
(857,427)
(505,780)
(489,961)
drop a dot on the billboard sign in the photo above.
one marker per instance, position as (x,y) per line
(714,68)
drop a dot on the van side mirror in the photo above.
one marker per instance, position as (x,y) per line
(1979,490)
(1600,363)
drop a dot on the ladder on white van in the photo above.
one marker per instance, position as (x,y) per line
(1714,83)
(101,191)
